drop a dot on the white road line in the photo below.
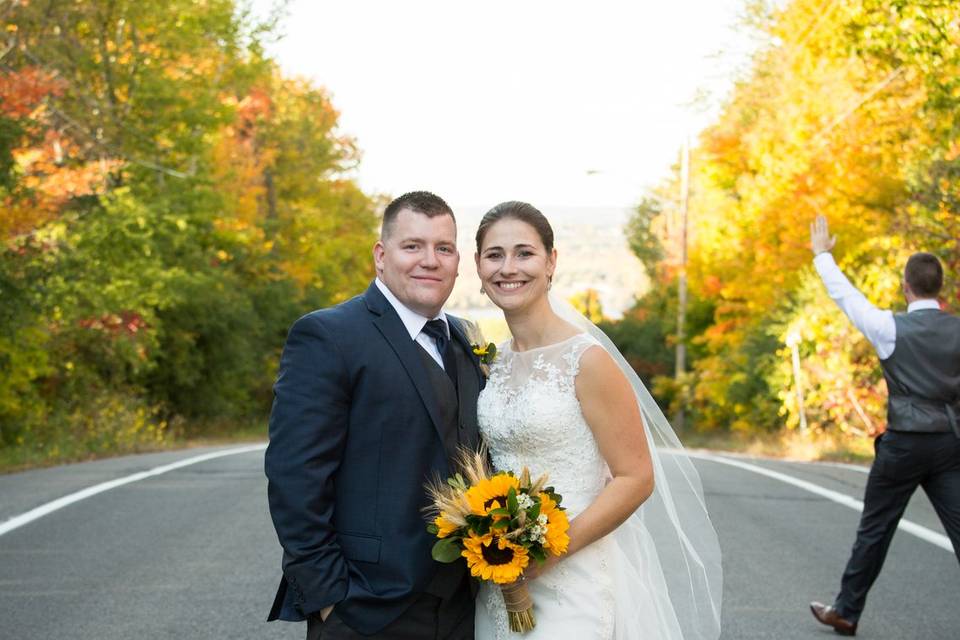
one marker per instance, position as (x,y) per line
(843,465)
(25,518)
(913,528)
(860,468)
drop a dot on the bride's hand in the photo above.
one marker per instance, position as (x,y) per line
(535,569)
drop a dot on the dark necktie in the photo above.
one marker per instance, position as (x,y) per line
(436,330)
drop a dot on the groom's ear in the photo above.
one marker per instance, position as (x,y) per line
(907,291)
(378,251)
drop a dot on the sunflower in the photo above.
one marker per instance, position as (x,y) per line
(485,494)
(445,527)
(494,558)
(557,525)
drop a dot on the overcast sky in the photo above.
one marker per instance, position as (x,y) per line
(559,103)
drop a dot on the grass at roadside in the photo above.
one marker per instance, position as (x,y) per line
(21,458)
(788,444)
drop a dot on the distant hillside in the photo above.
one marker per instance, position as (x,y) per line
(592,253)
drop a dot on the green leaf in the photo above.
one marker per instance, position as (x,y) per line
(538,553)
(500,524)
(512,500)
(534,512)
(446,550)
(478,524)
(502,511)
(433,529)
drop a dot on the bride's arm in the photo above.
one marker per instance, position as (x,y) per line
(610,408)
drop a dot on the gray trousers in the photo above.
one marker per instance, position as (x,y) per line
(428,618)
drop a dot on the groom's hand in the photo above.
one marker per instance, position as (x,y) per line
(820,240)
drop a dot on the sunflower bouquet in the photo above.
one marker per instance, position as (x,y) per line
(497,522)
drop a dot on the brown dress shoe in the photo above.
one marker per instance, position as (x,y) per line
(830,617)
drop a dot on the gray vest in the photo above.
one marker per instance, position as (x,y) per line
(923,374)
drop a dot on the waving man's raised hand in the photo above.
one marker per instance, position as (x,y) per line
(820,240)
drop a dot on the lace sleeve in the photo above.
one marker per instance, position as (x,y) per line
(556,365)
(671,534)
(572,356)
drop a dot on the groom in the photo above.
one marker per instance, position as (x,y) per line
(920,355)
(373,397)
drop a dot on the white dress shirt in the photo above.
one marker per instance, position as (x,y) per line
(876,324)
(414,322)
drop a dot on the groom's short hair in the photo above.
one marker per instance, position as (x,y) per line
(924,274)
(429,204)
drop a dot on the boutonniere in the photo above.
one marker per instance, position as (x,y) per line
(486,352)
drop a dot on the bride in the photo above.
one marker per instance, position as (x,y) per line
(643,560)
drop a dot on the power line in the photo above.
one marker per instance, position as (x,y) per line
(820,138)
(823,15)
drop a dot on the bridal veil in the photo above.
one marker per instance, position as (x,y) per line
(668,576)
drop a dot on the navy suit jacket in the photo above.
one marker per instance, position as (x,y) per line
(354,435)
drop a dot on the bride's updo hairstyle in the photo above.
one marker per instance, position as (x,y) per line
(516,210)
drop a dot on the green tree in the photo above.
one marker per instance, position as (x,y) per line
(643,236)
(173,203)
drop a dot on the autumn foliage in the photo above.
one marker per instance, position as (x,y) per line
(171,202)
(850,109)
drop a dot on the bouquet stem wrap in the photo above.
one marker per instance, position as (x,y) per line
(519,606)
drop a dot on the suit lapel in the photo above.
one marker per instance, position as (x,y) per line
(470,377)
(389,324)
(456,330)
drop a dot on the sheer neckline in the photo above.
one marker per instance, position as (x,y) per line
(509,344)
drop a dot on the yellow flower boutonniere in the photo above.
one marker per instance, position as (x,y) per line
(485,353)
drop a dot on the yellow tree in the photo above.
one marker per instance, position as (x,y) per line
(820,125)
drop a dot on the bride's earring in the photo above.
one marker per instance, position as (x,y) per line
(549,282)
(483,291)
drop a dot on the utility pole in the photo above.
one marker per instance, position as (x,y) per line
(681,362)
(793,341)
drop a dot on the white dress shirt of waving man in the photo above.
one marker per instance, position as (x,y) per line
(919,353)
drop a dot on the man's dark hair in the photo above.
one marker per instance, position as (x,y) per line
(924,274)
(424,202)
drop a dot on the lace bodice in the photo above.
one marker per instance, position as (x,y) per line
(617,587)
(530,416)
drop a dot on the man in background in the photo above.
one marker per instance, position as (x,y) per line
(919,352)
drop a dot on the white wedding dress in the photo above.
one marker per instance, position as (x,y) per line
(529,415)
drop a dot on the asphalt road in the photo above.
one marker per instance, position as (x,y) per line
(191,553)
